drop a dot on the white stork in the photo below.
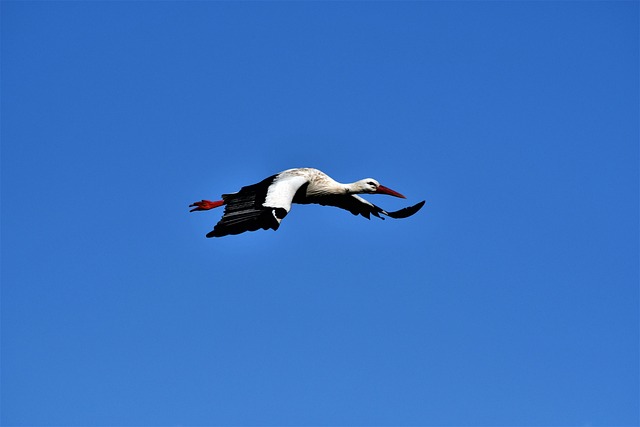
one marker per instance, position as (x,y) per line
(265,204)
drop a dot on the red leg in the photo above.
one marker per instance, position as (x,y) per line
(205,205)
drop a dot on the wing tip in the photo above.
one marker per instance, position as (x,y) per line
(406,212)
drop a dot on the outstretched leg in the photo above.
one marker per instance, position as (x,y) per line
(205,205)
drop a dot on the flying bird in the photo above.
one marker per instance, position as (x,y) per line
(265,204)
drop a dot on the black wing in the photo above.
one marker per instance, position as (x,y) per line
(244,211)
(359,206)
(406,212)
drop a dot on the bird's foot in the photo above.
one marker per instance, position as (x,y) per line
(205,205)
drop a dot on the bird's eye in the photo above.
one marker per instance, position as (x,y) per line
(371,183)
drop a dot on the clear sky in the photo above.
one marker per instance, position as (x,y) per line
(510,299)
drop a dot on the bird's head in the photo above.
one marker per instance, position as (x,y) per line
(371,186)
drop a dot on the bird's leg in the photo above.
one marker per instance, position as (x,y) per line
(205,205)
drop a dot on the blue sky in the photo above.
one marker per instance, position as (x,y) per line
(510,299)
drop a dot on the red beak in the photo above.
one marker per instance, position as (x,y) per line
(384,190)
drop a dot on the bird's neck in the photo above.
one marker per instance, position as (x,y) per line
(351,188)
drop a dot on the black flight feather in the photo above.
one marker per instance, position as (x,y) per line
(244,211)
(406,212)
